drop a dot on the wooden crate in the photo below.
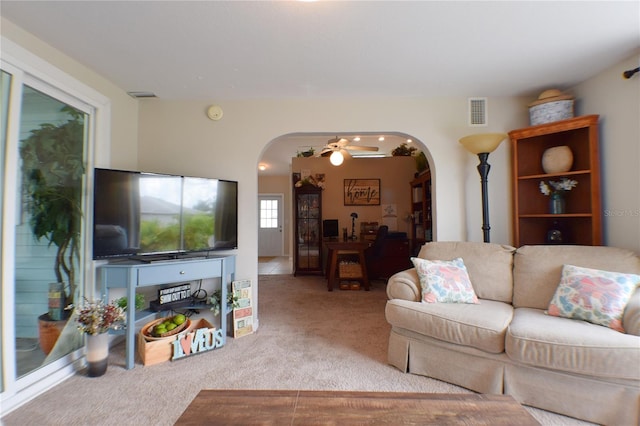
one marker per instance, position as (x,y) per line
(160,350)
(349,270)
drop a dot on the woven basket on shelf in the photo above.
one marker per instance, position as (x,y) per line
(349,270)
(148,328)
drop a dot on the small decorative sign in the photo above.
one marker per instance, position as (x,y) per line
(362,192)
(174,294)
(243,312)
(196,341)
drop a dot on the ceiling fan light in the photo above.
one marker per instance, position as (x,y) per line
(336,158)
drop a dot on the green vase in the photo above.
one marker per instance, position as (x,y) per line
(557,203)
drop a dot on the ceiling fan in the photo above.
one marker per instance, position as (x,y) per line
(338,148)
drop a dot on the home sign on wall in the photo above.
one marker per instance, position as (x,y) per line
(362,192)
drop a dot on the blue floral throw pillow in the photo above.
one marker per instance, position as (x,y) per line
(444,281)
(598,297)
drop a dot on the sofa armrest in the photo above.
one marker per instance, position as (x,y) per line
(404,285)
(631,317)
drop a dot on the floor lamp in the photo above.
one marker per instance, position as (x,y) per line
(482,144)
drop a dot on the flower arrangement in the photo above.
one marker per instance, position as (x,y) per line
(557,187)
(317,181)
(96,317)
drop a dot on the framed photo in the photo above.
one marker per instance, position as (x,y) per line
(362,192)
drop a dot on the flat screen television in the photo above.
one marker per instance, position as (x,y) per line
(138,214)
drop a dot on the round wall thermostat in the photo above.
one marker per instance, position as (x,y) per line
(214,112)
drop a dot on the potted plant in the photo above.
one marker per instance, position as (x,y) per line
(139,302)
(308,153)
(216,299)
(53,167)
(403,150)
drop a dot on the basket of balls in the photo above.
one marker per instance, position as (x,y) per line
(165,327)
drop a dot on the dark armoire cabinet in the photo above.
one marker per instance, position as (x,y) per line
(308,229)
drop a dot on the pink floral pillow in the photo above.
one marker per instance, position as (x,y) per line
(444,281)
(598,297)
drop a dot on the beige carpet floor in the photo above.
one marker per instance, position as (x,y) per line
(309,338)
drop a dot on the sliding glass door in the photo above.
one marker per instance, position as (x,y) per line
(48,245)
(46,136)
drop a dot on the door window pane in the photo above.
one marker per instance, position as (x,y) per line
(268,213)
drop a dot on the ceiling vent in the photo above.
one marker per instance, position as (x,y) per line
(478,112)
(142,94)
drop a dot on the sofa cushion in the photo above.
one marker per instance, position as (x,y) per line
(578,347)
(482,326)
(489,265)
(593,295)
(537,269)
(445,281)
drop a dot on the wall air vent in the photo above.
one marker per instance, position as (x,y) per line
(142,94)
(478,112)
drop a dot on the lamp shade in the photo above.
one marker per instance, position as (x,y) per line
(482,142)
(336,158)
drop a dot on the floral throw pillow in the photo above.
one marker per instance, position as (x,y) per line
(444,281)
(592,295)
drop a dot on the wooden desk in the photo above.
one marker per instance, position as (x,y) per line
(334,248)
(291,407)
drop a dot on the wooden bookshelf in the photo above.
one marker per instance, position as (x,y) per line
(581,223)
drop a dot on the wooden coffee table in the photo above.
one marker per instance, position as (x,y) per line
(286,407)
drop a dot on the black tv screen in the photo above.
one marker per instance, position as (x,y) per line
(137,214)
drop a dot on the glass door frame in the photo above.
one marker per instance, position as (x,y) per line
(26,69)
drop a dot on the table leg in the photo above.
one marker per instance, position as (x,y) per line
(333,263)
(363,265)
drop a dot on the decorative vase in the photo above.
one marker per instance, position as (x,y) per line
(556,203)
(97,354)
(558,159)
(554,235)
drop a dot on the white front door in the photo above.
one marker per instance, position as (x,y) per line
(270,236)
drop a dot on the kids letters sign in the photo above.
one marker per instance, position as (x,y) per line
(196,341)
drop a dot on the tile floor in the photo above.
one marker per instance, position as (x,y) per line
(275,265)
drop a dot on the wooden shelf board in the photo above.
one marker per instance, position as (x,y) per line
(552,175)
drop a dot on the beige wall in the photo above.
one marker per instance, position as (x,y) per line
(617,100)
(177,137)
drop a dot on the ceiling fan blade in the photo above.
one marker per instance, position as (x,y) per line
(345,153)
(361,148)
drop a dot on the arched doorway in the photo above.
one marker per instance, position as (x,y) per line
(275,175)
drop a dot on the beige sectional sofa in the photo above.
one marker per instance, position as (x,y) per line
(507,344)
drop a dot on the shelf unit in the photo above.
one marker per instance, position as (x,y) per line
(132,274)
(421,224)
(308,227)
(582,223)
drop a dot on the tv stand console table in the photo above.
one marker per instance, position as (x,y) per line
(131,274)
